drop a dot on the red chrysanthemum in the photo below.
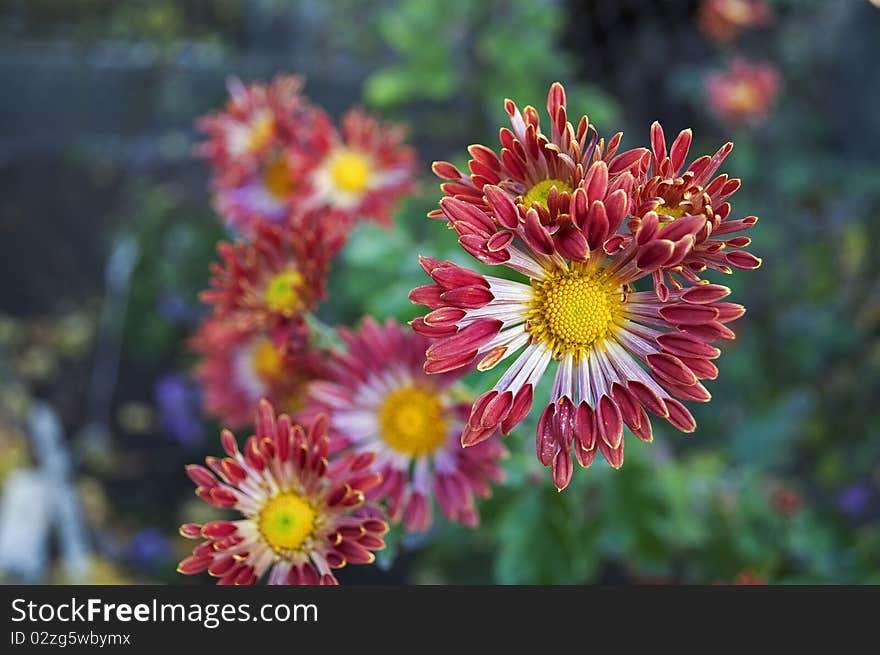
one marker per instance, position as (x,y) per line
(238,367)
(363,170)
(723,20)
(667,194)
(744,93)
(621,353)
(380,400)
(303,515)
(269,284)
(542,173)
(262,148)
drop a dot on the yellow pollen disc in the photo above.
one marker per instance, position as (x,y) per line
(411,421)
(350,171)
(573,310)
(282,293)
(539,192)
(267,361)
(286,522)
(277,179)
(261,131)
(666,213)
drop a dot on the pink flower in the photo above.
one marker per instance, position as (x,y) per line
(380,400)
(302,516)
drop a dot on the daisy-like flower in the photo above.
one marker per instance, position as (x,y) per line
(723,20)
(621,353)
(269,284)
(364,170)
(238,367)
(255,121)
(666,193)
(541,172)
(380,400)
(744,93)
(302,515)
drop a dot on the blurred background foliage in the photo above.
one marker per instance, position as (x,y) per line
(780,482)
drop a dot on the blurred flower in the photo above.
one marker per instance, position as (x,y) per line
(149,547)
(786,500)
(620,351)
(303,516)
(136,417)
(268,284)
(668,199)
(854,499)
(239,367)
(275,155)
(749,577)
(744,93)
(723,20)
(177,400)
(172,307)
(365,170)
(257,120)
(380,400)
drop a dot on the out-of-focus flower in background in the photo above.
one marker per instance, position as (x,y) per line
(380,400)
(744,93)
(723,20)
(854,499)
(238,367)
(178,402)
(275,154)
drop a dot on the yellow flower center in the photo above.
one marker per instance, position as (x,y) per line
(539,192)
(277,179)
(267,361)
(286,522)
(282,295)
(742,97)
(350,171)
(262,128)
(572,310)
(411,421)
(667,214)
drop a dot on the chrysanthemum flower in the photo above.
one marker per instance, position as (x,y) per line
(666,193)
(255,121)
(364,170)
(621,353)
(269,284)
(380,400)
(744,93)
(238,367)
(722,20)
(541,172)
(302,515)
(266,194)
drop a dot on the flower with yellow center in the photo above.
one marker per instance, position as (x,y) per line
(282,293)
(300,517)
(260,132)
(277,179)
(286,521)
(539,192)
(267,361)
(350,171)
(411,421)
(573,309)
(379,400)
